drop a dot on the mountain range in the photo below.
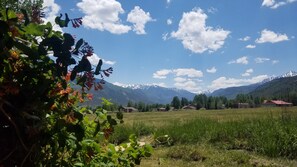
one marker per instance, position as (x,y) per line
(152,94)
(149,94)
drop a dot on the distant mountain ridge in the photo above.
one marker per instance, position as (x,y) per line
(149,94)
(231,92)
(152,94)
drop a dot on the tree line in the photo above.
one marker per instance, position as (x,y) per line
(202,101)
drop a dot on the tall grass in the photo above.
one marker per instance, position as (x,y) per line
(271,136)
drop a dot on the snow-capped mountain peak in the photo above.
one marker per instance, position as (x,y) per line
(136,86)
(289,74)
(286,75)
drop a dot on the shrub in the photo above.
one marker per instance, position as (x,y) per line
(40,122)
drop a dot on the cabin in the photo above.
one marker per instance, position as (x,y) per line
(129,109)
(161,109)
(276,103)
(243,105)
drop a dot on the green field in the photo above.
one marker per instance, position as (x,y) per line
(230,137)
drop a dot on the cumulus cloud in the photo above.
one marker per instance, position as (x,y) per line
(103,15)
(139,18)
(162,74)
(272,37)
(241,60)
(186,72)
(189,85)
(196,36)
(275,61)
(184,78)
(250,46)
(246,38)
(211,70)
(212,10)
(224,82)
(51,10)
(169,21)
(247,72)
(189,72)
(94,59)
(165,36)
(259,60)
(273,4)
(180,79)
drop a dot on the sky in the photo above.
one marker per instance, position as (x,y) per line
(196,45)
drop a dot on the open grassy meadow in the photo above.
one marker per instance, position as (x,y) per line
(230,137)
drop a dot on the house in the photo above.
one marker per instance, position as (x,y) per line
(161,109)
(189,107)
(276,103)
(129,109)
(243,105)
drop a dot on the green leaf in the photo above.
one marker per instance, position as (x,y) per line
(120,115)
(79,116)
(26,16)
(79,164)
(98,68)
(62,23)
(77,46)
(34,29)
(97,128)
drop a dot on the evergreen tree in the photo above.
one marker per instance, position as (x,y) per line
(176,102)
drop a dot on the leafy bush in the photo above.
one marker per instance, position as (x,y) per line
(40,122)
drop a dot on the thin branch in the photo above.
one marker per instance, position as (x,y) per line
(25,159)
(12,122)
(8,155)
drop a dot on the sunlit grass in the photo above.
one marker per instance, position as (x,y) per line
(270,132)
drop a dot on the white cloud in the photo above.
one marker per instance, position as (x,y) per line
(273,4)
(241,60)
(261,59)
(51,10)
(180,79)
(139,18)
(186,72)
(272,37)
(94,59)
(212,70)
(162,74)
(247,72)
(189,72)
(168,1)
(103,15)
(196,36)
(224,82)
(165,36)
(250,46)
(275,61)
(246,38)
(184,78)
(189,85)
(169,21)
(212,10)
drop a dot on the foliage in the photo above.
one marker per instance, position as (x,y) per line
(176,102)
(40,123)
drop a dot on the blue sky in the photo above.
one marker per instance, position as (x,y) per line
(195,45)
